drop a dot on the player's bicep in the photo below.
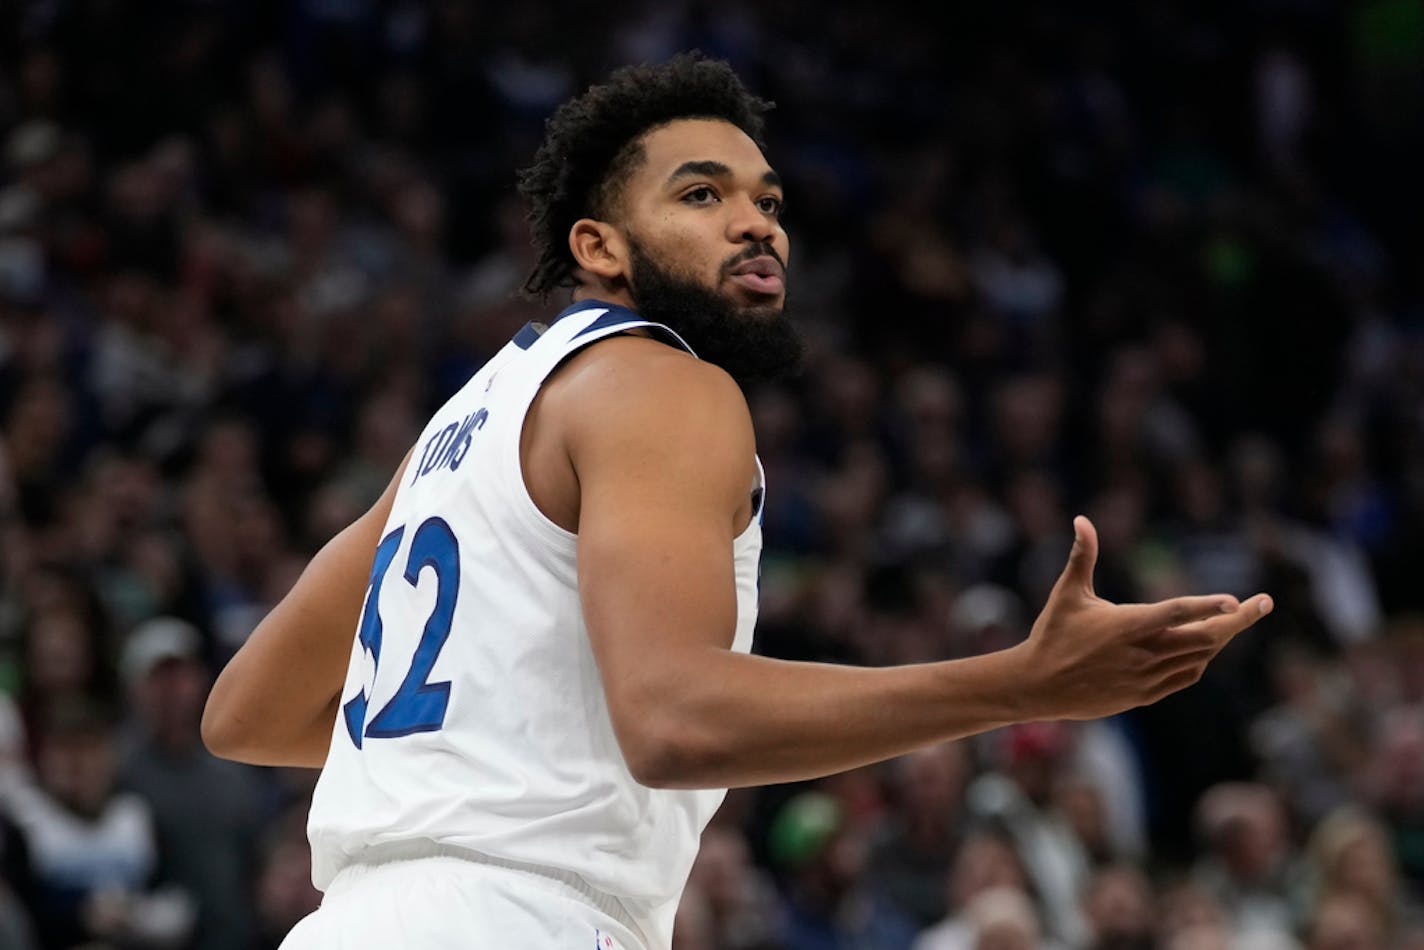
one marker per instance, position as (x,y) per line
(660,491)
(653,569)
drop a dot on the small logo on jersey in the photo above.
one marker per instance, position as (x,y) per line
(601,941)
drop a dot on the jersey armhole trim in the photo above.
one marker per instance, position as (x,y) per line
(610,323)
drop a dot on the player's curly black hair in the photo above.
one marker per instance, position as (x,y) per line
(591,143)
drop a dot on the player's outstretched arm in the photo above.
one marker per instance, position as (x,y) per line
(663,456)
(275,702)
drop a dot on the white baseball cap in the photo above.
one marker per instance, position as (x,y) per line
(156,640)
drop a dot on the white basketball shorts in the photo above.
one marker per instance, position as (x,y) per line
(444,902)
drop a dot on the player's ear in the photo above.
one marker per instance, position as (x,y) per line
(599,249)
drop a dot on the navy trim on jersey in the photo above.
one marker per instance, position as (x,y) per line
(617,315)
(592,304)
(528,335)
(614,317)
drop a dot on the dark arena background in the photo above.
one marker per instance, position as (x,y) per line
(1161,263)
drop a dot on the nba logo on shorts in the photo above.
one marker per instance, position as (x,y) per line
(601,941)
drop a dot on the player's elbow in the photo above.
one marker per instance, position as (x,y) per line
(662,753)
(221,732)
(656,765)
(230,720)
(247,735)
(228,737)
(229,734)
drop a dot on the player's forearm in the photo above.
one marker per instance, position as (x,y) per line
(275,701)
(272,705)
(735,720)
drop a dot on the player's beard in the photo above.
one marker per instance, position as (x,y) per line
(752,343)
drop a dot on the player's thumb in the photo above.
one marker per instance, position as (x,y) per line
(1078,573)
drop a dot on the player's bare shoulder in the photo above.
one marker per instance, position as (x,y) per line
(631,407)
(638,383)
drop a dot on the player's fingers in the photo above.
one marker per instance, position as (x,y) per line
(1175,612)
(1179,679)
(1254,608)
(1201,636)
(1219,630)
(1181,654)
(1245,616)
(1077,576)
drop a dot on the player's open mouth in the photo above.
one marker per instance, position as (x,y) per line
(762,275)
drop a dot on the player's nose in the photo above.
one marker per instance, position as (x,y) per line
(748,223)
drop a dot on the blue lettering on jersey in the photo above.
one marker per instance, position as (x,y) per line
(418,705)
(448,447)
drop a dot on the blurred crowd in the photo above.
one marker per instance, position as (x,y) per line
(1161,263)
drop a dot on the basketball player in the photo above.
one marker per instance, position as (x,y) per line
(525,671)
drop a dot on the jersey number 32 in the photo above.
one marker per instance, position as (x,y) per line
(417,706)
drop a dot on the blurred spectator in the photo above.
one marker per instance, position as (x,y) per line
(1310,743)
(92,848)
(65,651)
(1017,279)
(986,617)
(1346,921)
(1395,786)
(829,905)
(693,926)
(1079,800)
(1216,551)
(283,891)
(1004,919)
(17,884)
(1192,919)
(734,902)
(1249,867)
(1103,795)
(1119,905)
(205,810)
(14,751)
(911,852)
(1349,854)
(1019,797)
(38,430)
(986,862)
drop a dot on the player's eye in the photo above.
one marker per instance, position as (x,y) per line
(770,204)
(700,195)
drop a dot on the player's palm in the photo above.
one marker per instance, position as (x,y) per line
(1095,658)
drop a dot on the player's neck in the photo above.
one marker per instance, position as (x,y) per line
(605,294)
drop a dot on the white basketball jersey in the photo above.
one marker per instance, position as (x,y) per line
(473,715)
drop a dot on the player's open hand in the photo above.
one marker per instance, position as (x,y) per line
(1088,657)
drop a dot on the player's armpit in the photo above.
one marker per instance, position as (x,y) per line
(275,701)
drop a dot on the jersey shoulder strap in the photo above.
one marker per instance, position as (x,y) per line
(587,322)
